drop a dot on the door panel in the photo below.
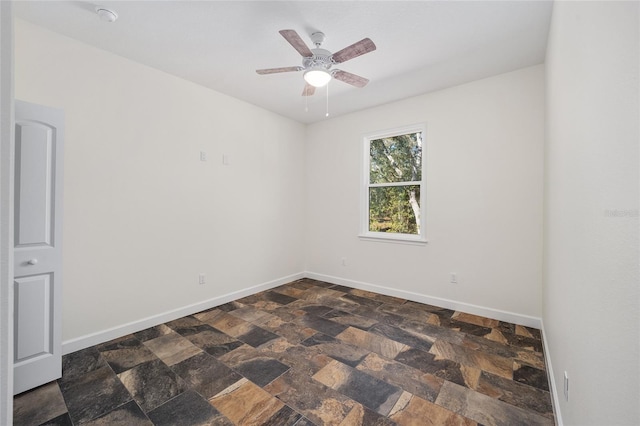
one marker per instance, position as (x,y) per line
(34,202)
(33,317)
(37,246)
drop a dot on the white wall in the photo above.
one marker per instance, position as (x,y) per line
(591,283)
(143,215)
(484,157)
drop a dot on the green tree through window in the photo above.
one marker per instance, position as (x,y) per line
(395,184)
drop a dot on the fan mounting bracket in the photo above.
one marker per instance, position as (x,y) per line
(317,38)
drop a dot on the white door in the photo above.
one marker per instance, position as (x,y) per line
(37,245)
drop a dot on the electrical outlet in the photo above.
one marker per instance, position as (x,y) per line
(454,278)
(202,278)
(344,261)
(203,156)
(566,386)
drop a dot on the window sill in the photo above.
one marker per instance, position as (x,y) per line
(396,239)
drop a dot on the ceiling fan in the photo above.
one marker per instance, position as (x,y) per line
(317,63)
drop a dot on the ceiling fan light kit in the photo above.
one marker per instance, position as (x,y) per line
(317,77)
(317,63)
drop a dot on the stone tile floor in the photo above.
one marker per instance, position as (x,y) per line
(305,353)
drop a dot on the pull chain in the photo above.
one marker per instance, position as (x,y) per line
(306,99)
(327,114)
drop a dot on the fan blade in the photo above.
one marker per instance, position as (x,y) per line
(308,90)
(352,79)
(294,39)
(356,49)
(277,70)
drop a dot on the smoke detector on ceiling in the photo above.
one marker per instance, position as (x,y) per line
(106,15)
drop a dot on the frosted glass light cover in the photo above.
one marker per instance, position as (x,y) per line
(317,77)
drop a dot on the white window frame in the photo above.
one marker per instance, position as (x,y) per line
(392,237)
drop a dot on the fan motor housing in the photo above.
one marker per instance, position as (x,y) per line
(320,58)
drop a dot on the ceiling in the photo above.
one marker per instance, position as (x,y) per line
(422,46)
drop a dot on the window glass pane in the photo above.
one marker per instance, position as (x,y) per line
(396,159)
(395,209)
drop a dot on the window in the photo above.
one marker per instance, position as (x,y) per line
(393,192)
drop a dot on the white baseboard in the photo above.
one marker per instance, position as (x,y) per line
(92,339)
(551,377)
(498,314)
(96,338)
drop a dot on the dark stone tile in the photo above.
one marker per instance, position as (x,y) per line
(222,348)
(424,385)
(302,284)
(251,299)
(374,314)
(152,332)
(383,298)
(188,408)
(310,398)
(473,360)
(371,392)
(371,342)
(524,342)
(252,314)
(151,384)
(63,420)
(361,415)
(362,301)
(317,283)
(402,336)
(188,325)
(257,336)
(38,405)
(426,362)
(212,340)
(408,312)
(349,319)
(305,422)
(530,376)
(465,327)
(515,393)
(228,307)
(374,394)
(206,374)
(319,339)
(81,362)
(317,310)
(294,333)
(341,288)
(93,394)
(280,298)
(327,345)
(489,346)
(323,325)
(535,333)
(441,312)
(127,414)
(485,409)
(506,327)
(123,354)
(435,332)
(337,303)
(286,416)
(261,371)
